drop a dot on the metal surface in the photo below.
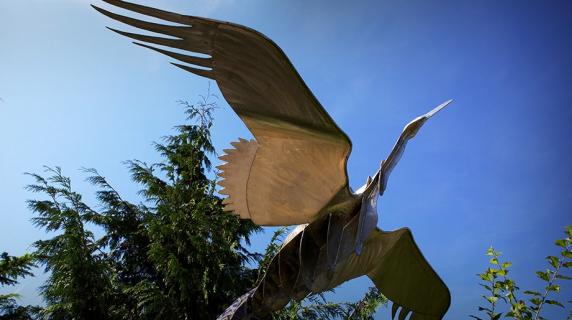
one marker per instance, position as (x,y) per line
(294,172)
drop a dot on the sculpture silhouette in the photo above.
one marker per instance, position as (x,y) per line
(294,173)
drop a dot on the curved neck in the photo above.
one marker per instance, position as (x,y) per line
(388,164)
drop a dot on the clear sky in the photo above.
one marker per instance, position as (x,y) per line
(493,168)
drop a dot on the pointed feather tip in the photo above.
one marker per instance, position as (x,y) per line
(185,67)
(178,65)
(116,31)
(104,12)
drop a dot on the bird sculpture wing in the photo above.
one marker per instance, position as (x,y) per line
(391,260)
(298,161)
(398,269)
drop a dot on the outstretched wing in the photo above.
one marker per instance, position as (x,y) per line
(298,161)
(395,264)
(391,259)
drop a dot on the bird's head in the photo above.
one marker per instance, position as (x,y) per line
(413,127)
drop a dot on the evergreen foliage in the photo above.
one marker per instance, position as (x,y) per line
(195,256)
(79,283)
(366,307)
(174,255)
(12,268)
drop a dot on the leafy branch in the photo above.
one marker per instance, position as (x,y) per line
(500,288)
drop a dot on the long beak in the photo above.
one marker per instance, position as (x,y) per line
(437,109)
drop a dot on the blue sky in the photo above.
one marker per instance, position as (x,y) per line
(493,168)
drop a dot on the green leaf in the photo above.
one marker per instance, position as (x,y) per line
(494,261)
(492,299)
(554,287)
(553,261)
(486,287)
(567,254)
(563,277)
(486,276)
(534,293)
(567,264)
(560,243)
(490,251)
(554,302)
(543,275)
(535,301)
(506,264)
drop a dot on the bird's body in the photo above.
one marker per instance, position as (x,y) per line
(294,173)
(343,243)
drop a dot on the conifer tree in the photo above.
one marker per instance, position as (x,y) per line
(175,255)
(196,248)
(79,285)
(12,268)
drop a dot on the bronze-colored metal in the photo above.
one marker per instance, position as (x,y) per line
(294,172)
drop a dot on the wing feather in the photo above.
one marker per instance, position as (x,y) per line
(404,276)
(202,62)
(301,155)
(396,266)
(391,260)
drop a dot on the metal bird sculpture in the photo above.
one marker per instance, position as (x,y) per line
(294,172)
